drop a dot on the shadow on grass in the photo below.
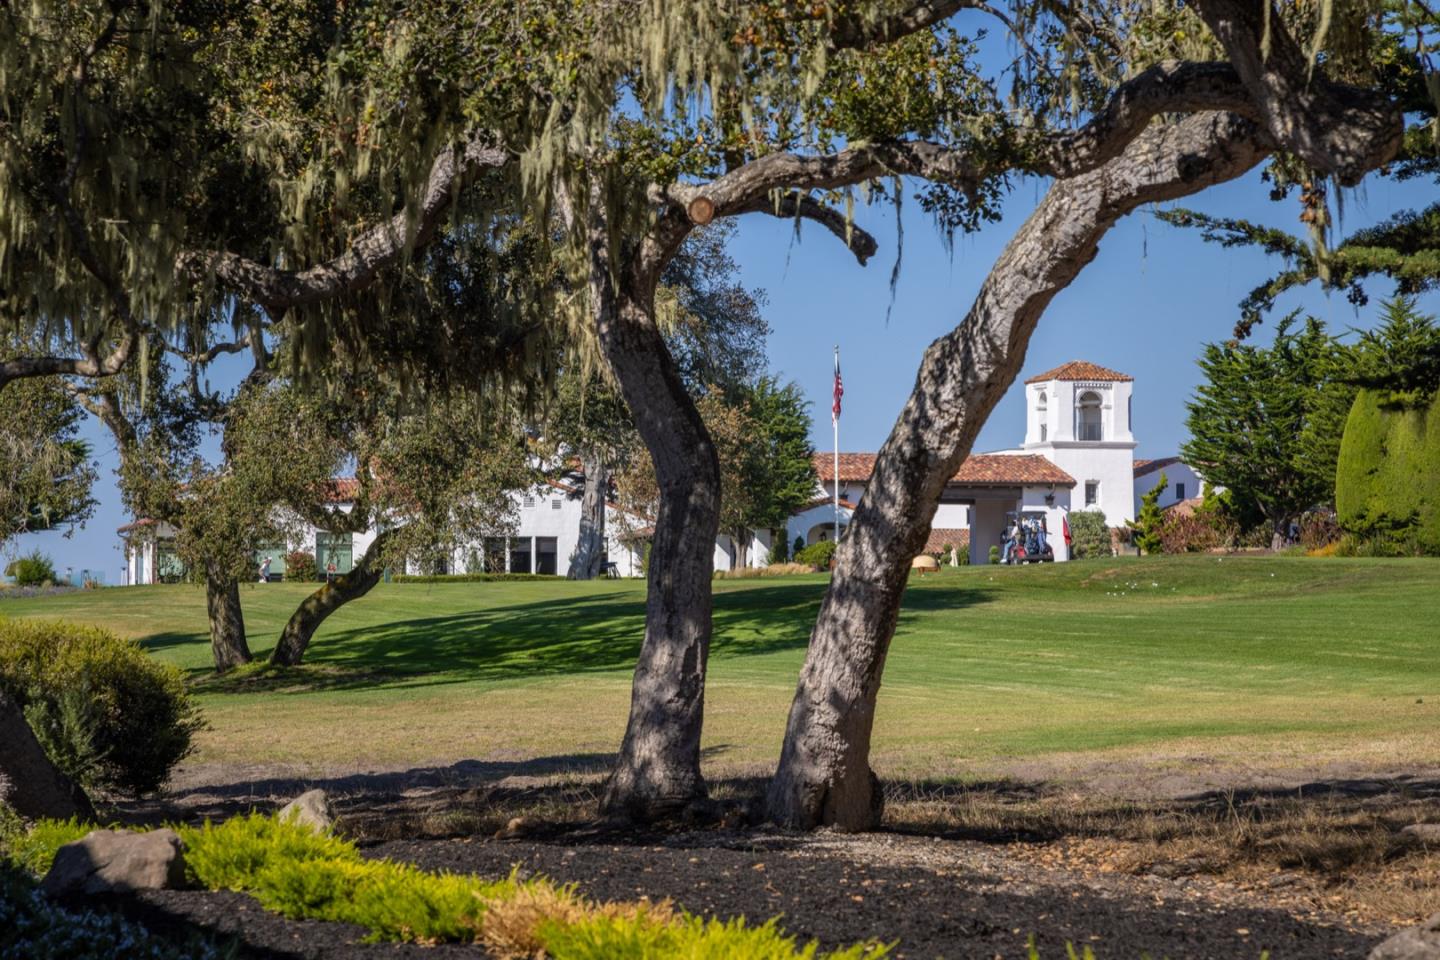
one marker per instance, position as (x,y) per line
(553,637)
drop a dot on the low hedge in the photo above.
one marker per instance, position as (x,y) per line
(471,577)
(108,714)
(301,874)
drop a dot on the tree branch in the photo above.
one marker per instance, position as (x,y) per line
(279,290)
(1339,130)
(856,31)
(1168,87)
(792,205)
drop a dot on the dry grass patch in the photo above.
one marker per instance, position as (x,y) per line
(1343,846)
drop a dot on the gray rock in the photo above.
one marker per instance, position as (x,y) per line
(117,861)
(311,809)
(1416,943)
(1424,832)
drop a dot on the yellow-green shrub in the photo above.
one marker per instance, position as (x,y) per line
(99,702)
(604,937)
(33,850)
(231,855)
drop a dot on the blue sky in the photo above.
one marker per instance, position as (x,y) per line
(1145,306)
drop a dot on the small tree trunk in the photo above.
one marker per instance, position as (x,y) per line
(658,769)
(590,548)
(742,548)
(29,783)
(227,621)
(331,596)
(824,775)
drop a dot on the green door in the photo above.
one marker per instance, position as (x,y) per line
(334,548)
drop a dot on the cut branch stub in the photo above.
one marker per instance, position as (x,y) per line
(701,210)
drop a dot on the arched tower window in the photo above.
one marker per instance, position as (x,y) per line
(1042,408)
(1087,417)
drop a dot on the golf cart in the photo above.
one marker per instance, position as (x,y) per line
(1026,538)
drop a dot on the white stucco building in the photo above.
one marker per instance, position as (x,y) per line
(544,541)
(1078,454)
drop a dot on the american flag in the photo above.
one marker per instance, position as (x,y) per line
(839,390)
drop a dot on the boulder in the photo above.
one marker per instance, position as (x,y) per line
(1423,832)
(1417,943)
(310,809)
(117,861)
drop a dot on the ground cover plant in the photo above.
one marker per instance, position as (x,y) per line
(293,870)
(34,927)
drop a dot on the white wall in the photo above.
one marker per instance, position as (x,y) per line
(1110,462)
(1174,473)
(954,516)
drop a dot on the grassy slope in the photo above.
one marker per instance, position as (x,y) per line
(1288,659)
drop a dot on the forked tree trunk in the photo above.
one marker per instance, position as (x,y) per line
(658,769)
(29,783)
(227,621)
(590,548)
(742,539)
(332,595)
(824,775)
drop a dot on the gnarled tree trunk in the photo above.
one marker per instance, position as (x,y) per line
(824,775)
(331,596)
(590,548)
(227,621)
(658,769)
(29,783)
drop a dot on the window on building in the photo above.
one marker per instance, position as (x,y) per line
(1042,409)
(1179,491)
(529,503)
(554,504)
(1088,417)
(1092,492)
(519,554)
(546,549)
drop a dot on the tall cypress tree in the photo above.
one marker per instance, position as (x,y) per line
(1266,423)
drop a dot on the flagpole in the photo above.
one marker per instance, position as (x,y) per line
(835,423)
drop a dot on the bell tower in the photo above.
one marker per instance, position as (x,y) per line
(1079,417)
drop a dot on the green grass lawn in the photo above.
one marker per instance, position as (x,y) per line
(1285,660)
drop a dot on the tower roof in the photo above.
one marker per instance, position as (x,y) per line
(1079,370)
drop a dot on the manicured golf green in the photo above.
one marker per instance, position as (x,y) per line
(1289,660)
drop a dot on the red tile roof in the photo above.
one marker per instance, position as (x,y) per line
(1079,370)
(939,536)
(1143,467)
(342,490)
(828,501)
(979,470)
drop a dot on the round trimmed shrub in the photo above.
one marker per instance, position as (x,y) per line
(817,555)
(110,715)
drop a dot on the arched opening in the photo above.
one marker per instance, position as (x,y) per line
(1087,417)
(1042,409)
(824,531)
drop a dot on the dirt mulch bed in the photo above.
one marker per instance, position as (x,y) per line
(937,898)
(973,872)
